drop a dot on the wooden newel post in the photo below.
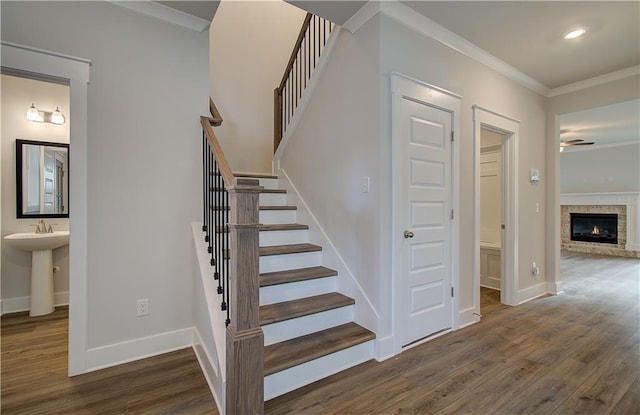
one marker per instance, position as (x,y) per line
(245,341)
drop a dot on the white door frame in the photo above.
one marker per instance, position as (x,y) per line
(76,70)
(403,86)
(510,128)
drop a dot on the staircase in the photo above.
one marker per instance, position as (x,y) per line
(308,327)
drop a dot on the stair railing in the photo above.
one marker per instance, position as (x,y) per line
(231,216)
(306,53)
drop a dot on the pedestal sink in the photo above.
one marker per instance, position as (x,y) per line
(41,246)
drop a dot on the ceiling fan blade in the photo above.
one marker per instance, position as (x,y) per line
(586,143)
(570,142)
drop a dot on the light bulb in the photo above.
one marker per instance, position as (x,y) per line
(33,114)
(57,117)
(575,33)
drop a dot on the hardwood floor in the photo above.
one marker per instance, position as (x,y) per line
(34,377)
(575,353)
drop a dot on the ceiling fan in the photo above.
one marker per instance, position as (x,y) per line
(575,142)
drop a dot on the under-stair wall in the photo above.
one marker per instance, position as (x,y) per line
(332,160)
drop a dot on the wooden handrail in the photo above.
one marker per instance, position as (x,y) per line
(296,48)
(216,117)
(223,164)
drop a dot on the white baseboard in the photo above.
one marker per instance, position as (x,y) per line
(136,349)
(383,348)
(18,304)
(554,287)
(532,292)
(467,317)
(217,386)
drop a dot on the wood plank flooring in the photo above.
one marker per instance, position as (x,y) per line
(575,353)
(34,376)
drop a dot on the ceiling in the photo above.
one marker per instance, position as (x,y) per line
(203,9)
(611,124)
(528,35)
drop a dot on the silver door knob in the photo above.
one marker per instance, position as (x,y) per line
(408,234)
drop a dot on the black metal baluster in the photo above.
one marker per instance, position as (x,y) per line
(226,263)
(223,252)
(204,182)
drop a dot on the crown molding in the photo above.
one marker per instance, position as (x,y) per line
(165,13)
(595,81)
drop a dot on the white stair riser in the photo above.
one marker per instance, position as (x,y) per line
(269,183)
(289,329)
(277,216)
(292,291)
(282,382)
(272,199)
(290,261)
(269,238)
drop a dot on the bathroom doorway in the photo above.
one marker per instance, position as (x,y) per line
(491,217)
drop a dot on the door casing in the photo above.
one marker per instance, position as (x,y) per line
(510,129)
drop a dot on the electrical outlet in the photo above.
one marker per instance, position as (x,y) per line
(142,307)
(535,271)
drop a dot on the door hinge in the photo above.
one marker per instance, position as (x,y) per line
(451,292)
(451,214)
(452,136)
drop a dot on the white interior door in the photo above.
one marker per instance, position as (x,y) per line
(425,197)
(48,205)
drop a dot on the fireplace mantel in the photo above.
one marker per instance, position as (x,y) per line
(631,202)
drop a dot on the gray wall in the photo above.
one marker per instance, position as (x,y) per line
(148,86)
(609,169)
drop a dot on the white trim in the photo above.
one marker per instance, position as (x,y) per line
(595,81)
(533,292)
(362,16)
(209,371)
(77,71)
(165,13)
(467,317)
(427,27)
(554,288)
(383,348)
(18,304)
(307,94)
(136,349)
(510,127)
(404,86)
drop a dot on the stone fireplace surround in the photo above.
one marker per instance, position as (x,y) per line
(625,205)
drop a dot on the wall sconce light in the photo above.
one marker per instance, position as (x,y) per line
(55,117)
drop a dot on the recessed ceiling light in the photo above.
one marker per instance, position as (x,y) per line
(575,33)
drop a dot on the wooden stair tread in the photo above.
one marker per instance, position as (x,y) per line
(280,191)
(289,249)
(295,275)
(261,207)
(256,175)
(289,353)
(287,310)
(273,227)
(283,227)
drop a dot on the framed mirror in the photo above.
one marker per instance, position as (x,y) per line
(42,179)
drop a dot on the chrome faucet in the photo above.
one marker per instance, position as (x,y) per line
(42,227)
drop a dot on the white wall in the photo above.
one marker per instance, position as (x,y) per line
(345,134)
(17,95)
(410,53)
(336,144)
(149,84)
(250,46)
(595,170)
